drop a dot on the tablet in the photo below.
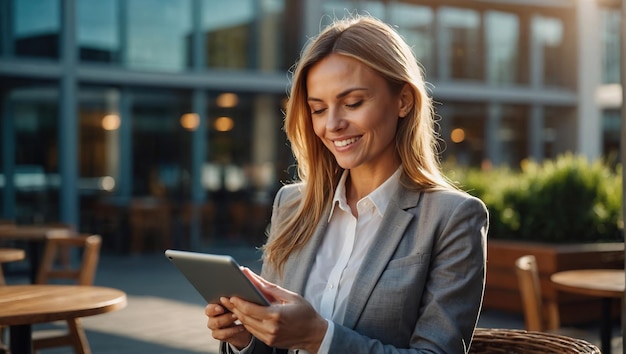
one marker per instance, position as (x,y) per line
(215,275)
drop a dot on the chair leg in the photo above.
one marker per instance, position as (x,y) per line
(75,337)
(78,336)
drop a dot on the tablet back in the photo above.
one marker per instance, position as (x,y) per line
(215,276)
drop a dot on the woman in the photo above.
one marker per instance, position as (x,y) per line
(373,251)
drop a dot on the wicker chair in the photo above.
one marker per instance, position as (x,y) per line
(517,341)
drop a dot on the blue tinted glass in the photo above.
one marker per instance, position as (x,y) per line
(548,36)
(610,46)
(502,34)
(36,25)
(228,27)
(158,34)
(98,30)
(459,38)
(415,24)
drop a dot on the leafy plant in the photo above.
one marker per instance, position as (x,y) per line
(565,200)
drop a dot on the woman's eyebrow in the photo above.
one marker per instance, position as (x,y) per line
(339,95)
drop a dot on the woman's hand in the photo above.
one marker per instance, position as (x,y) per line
(224,327)
(290,321)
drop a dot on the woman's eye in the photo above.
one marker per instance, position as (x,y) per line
(354,105)
(317,111)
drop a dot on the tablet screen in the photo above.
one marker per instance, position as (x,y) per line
(214,276)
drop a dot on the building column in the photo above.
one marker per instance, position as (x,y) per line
(494,116)
(8,157)
(589,134)
(124,192)
(265,135)
(68,118)
(535,133)
(199,135)
(199,155)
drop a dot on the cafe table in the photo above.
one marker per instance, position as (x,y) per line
(34,235)
(9,255)
(21,306)
(607,284)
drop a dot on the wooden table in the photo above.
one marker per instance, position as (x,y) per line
(607,284)
(9,255)
(24,305)
(34,235)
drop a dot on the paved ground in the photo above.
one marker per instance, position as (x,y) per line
(165,315)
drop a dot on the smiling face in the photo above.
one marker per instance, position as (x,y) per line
(355,114)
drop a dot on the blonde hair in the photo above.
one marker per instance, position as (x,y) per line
(381,48)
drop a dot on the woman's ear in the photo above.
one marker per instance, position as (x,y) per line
(406,100)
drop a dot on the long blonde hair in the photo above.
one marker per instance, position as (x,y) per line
(381,48)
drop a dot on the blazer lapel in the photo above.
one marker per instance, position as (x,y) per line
(389,234)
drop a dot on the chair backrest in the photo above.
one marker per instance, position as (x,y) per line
(538,316)
(53,265)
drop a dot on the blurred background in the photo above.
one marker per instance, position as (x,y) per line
(130,118)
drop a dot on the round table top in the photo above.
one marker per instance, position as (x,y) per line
(26,232)
(11,254)
(29,304)
(591,282)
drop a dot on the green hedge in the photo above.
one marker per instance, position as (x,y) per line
(565,200)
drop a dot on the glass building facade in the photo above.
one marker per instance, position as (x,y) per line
(125,116)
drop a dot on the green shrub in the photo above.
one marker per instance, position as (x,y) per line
(565,200)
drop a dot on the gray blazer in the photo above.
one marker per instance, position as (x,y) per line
(420,287)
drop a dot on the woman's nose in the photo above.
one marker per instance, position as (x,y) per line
(335,120)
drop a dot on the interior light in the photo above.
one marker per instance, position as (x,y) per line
(190,121)
(224,124)
(110,122)
(227,100)
(457,135)
(107,183)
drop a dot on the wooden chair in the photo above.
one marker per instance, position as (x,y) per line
(530,290)
(540,315)
(82,273)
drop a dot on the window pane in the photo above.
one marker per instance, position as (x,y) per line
(36,28)
(611,124)
(415,24)
(229,28)
(158,34)
(98,30)
(548,33)
(502,33)
(463,133)
(459,31)
(35,113)
(610,46)
(160,145)
(99,123)
(269,38)
(513,134)
(337,9)
(374,8)
(559,134)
